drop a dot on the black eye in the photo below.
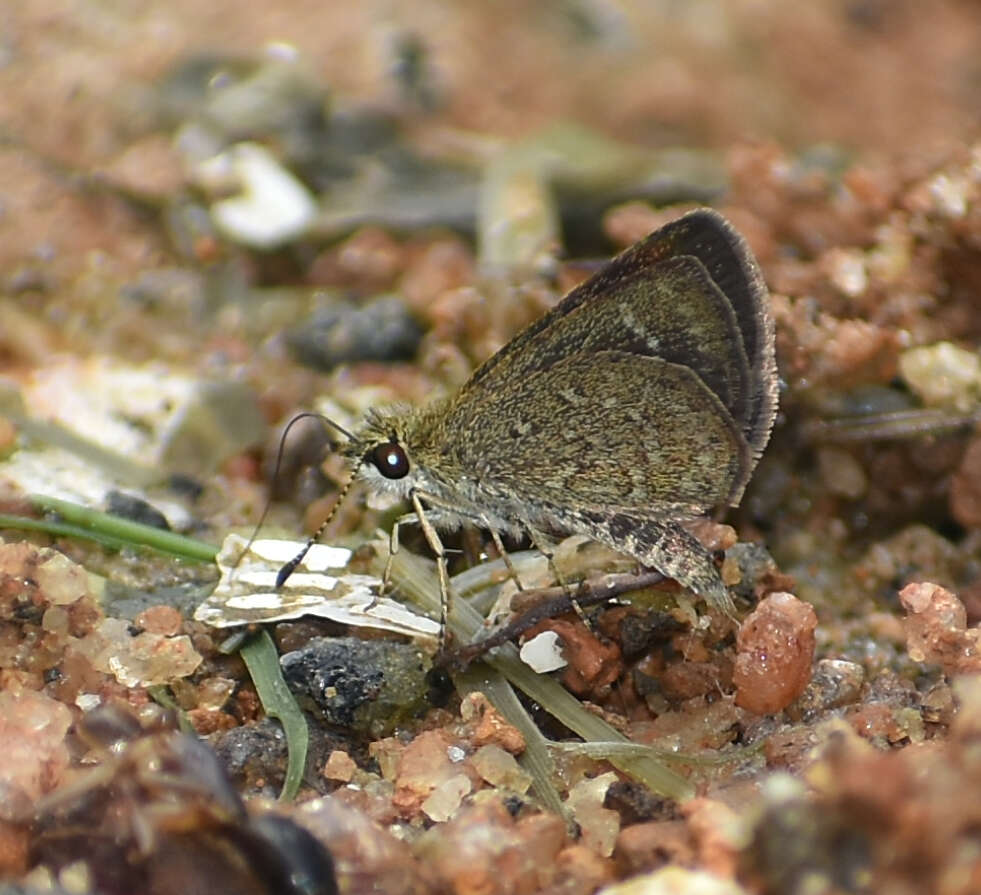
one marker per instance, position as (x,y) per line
(390,460)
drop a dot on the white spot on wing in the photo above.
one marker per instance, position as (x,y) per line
(638,329)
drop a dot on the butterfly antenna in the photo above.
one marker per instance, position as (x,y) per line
(306,414)
(290,567)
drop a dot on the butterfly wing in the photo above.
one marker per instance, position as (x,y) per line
(661,544)
(707,236)
(691,295)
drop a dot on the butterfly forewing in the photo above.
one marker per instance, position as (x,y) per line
(689,294)
(672,311)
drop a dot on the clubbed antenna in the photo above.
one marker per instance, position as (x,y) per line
(290,567)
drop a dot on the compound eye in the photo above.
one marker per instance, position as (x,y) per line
(390,460)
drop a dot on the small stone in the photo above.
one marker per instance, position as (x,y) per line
(499,768)
(846,268)
(363,684)
(388,753)
(543,652)
(136,509)
(215,692)
(56,621)
(635,803)
(15,841)
(273,207)
(598,825)
(747,567)
(936,629)
(950,193)
(705,722)
(842,474)
(455,753)
(593,664)
(164,620)
(792,749)
(208,721)
(713,536)
(366,856)
(343,332)
(253,755)
(884,724)
(915,553)
(938,704)
(444,266)
(967,723)
(369,259)
(60,580)
(834,683)
(647,846)
(490,725)
(580,871)
(88,701)
(141,661)
(443,802)
(676,881)
(424,767)
(965,487)
(32,731)
(943,375)
(775,648)
(175,289)
(148,167)
(483,851)
(340,766)
(718,833)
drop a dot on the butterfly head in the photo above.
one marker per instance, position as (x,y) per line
(382,452)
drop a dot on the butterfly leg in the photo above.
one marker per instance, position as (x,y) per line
(436,545)
(393,548)
(499,544)
(543,545)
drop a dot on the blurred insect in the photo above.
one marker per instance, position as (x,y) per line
(158,814)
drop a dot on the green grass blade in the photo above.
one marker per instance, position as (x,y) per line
(126,530)
(262,660)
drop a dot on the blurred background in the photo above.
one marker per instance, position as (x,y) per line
(94,86)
